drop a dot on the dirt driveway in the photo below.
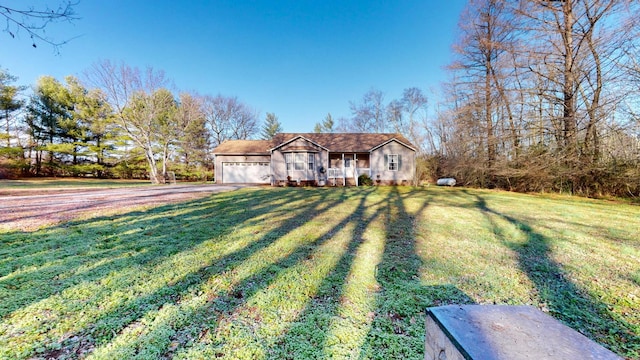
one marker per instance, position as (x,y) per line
(47,207)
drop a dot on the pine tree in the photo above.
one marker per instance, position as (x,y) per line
(9,102)
(271,127)
(326,126)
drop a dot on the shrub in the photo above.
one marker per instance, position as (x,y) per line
(365,180)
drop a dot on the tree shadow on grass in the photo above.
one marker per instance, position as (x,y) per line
(307,335)
(40,264)
(333,321)
(398,329)
(223,307)
(185,310)
(564,299)
(143,244)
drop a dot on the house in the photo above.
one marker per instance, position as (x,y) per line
(316,159)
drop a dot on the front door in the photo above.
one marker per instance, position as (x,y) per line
(349,166)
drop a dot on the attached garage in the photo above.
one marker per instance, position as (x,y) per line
(246,173)
(243,162)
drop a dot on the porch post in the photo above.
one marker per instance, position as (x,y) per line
(344,172)
(271,174)
(355,167)
(326,174)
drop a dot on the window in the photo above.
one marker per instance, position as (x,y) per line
(299,161)
(347,162)
(312,160)
(393,162)
(288,159)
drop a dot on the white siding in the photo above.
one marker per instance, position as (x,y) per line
(406,170)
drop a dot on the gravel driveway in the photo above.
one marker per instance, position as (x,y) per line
(46,207)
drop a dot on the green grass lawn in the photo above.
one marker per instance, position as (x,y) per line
(314,273)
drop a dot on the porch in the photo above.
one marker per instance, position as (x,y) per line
(344,168)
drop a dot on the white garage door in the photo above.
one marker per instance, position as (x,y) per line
(245,173)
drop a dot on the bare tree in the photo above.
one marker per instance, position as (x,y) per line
(370,114)
(34,21)
(395,120)
(574,47)
(537,87)
(229,119)
(416,127)
(486,34)
(576,53)
(142,107)
(345,125)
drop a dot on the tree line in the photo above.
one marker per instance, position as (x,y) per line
(544,96)
(120,121)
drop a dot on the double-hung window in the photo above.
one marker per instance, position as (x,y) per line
(288,159)
(393,162)
(300,160)
(311,160)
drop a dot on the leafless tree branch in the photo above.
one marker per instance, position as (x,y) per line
(34,21)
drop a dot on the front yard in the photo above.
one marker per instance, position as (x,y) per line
(314,273)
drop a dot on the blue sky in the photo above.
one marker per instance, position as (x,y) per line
(297,59)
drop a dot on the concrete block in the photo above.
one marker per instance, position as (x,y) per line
(501,332)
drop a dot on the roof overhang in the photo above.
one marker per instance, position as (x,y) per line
(244,154)
(296,138)
(396,140)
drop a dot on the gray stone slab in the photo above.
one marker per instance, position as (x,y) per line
(513,332)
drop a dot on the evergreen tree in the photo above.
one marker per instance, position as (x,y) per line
(49,120)
(93,117)
(326,126)
(271,127)
(9,103)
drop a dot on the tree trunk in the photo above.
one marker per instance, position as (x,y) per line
(488,109)
(6,114)
(154,176)
(591,143)
(507,104)
(568,91)
(165,158)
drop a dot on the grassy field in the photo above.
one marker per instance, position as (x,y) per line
(314,273)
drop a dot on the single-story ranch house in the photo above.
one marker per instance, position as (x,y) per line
(316,159)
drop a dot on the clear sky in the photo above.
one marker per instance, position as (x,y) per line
(298,59)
